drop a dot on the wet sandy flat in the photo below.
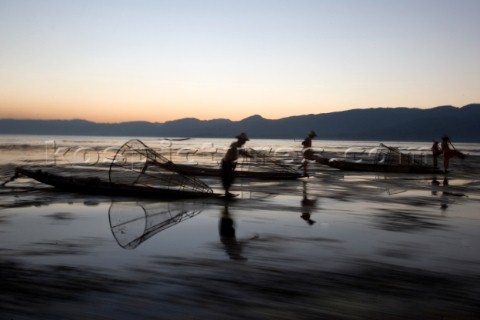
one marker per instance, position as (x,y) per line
(333,246)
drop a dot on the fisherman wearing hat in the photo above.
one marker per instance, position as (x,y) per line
(229,162)
(307,151)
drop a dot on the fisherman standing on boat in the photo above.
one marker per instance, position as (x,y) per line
(229,162)
(449,153)
(436,151)
(307,151)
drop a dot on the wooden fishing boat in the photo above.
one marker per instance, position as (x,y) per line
(196,170)
(177,139)
(257,165)
(78,183)
(386,159)
(135,170)
(322,160)
(378,167)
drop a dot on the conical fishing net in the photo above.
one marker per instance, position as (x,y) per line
(137,164)
(393,156)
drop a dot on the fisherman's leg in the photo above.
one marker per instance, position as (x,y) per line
(302,165)
(228,176)
(229,182)
(305,174)
(225,175)
(446,161)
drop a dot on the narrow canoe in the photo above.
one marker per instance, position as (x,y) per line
(97,186)
(376,167)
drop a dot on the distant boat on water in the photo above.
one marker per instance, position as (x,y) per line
(386,159)
(176,139)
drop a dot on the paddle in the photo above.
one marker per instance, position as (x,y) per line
(460,154)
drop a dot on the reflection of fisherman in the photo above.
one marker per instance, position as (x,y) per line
(435,184)
(444,204)
(307,205)
(436,151)
(307,151)
(229,162)
(228,238)
(449,153)
(445,192)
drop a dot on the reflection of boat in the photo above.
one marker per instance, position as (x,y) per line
(385,159)
(134,223)
(135,170)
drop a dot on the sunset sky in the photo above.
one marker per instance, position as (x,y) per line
(113,61)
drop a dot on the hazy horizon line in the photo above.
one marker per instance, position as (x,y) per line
(253,115)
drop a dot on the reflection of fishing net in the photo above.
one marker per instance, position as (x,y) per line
(137,164)
(134,223)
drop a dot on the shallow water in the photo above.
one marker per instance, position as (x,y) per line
(335,245)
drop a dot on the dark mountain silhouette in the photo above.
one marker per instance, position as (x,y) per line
(394,124)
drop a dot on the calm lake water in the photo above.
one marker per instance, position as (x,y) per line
(335,245)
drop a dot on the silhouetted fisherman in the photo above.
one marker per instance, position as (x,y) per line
(449,153)
(229,162)
(436,151)
(307,152)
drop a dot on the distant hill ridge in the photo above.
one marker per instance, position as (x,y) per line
(382,124)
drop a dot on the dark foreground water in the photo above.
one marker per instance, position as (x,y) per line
(332,246)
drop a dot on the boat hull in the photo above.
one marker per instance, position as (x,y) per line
(96,186)
(192,170)
(372,167)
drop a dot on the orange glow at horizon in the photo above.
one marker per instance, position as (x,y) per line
(130,112)
(107,106)
(115,110)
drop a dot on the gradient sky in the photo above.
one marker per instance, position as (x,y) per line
(112,61)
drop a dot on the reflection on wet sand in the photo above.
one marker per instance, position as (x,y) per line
(406,220)
(201,290)
(307,205)
(134,223)
(226,228)
(377,236)
(446,192)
